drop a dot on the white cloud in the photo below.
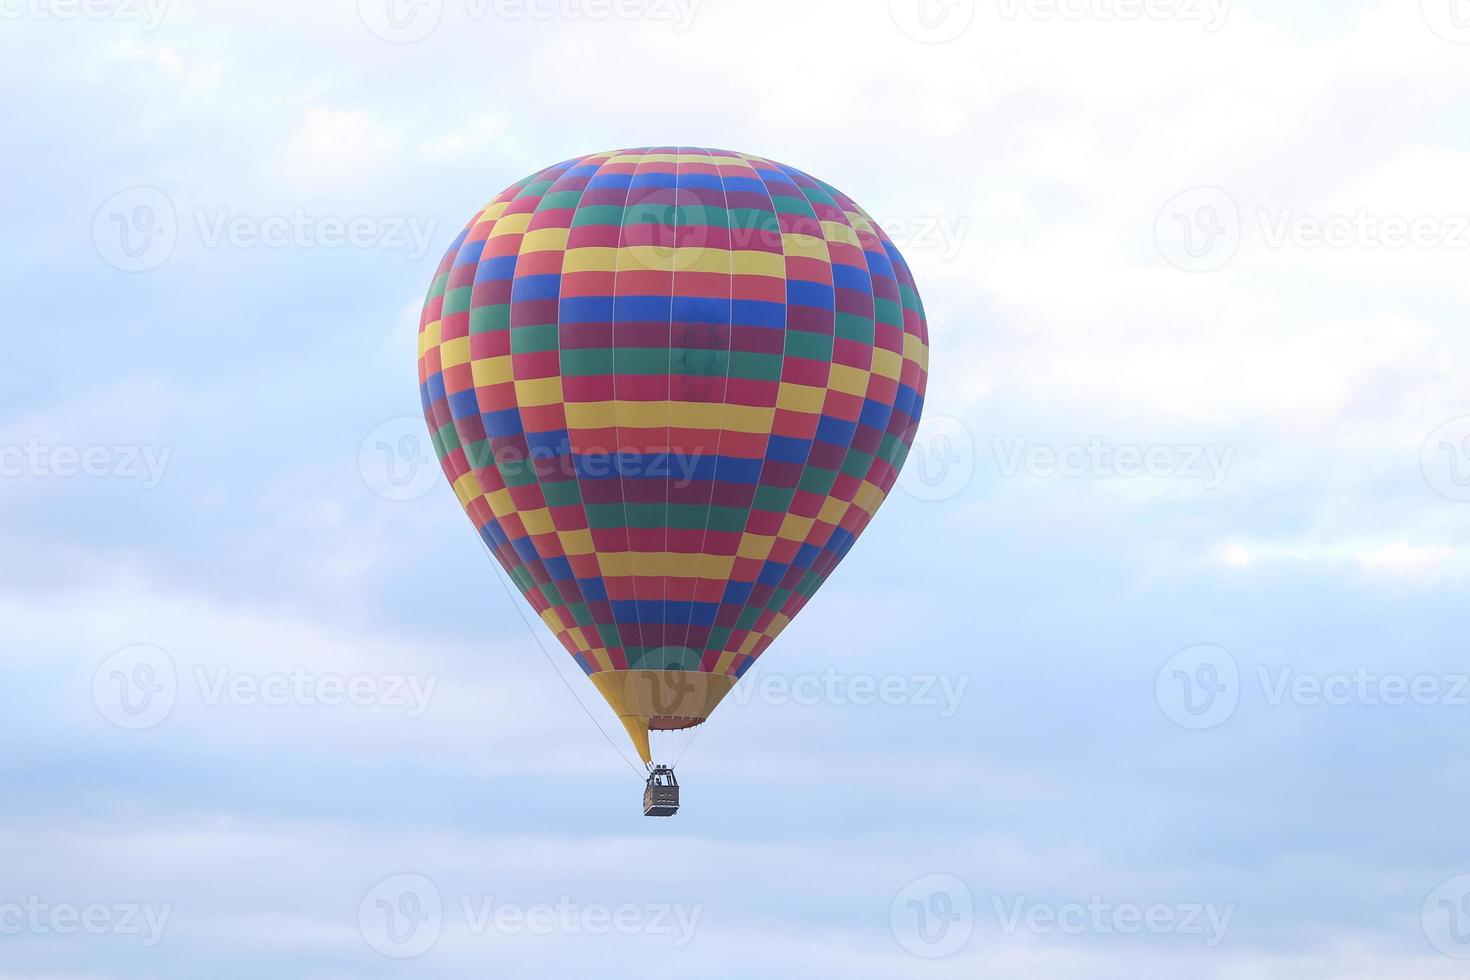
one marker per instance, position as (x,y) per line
(332,147)
(1402,558)
(1393,558)
(196,76)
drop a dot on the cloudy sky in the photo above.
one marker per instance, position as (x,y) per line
(1153,666)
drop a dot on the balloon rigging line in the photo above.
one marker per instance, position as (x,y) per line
(500,577)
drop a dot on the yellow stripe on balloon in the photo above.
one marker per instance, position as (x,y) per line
(454,352)
(848,380)
(861,222)
(755,546)
(887,363)
(501,504)
(491,212)
(752,262)
(801,398)
(429,336)
(545,240)
(649,258)
(488,371)
(576,542)
(832,510)
(805,246)
(836,231)
(868,497)
(671,564)
(658,415)
(510,224)
(590,260)
(534,392)
(794,528)
(467,488)
(537,521)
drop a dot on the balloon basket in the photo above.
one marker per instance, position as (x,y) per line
(661,793)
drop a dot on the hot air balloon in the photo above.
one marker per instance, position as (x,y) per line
(670,386)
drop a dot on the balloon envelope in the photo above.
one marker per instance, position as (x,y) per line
(670,387)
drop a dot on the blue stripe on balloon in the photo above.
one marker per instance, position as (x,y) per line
(701,309)
(758,313)
(786,449)
(835,431)
(496,269)
(586,309)
(814,294)
(634,308)
(851,277)
(660,611)
(544,286)
(464,404)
